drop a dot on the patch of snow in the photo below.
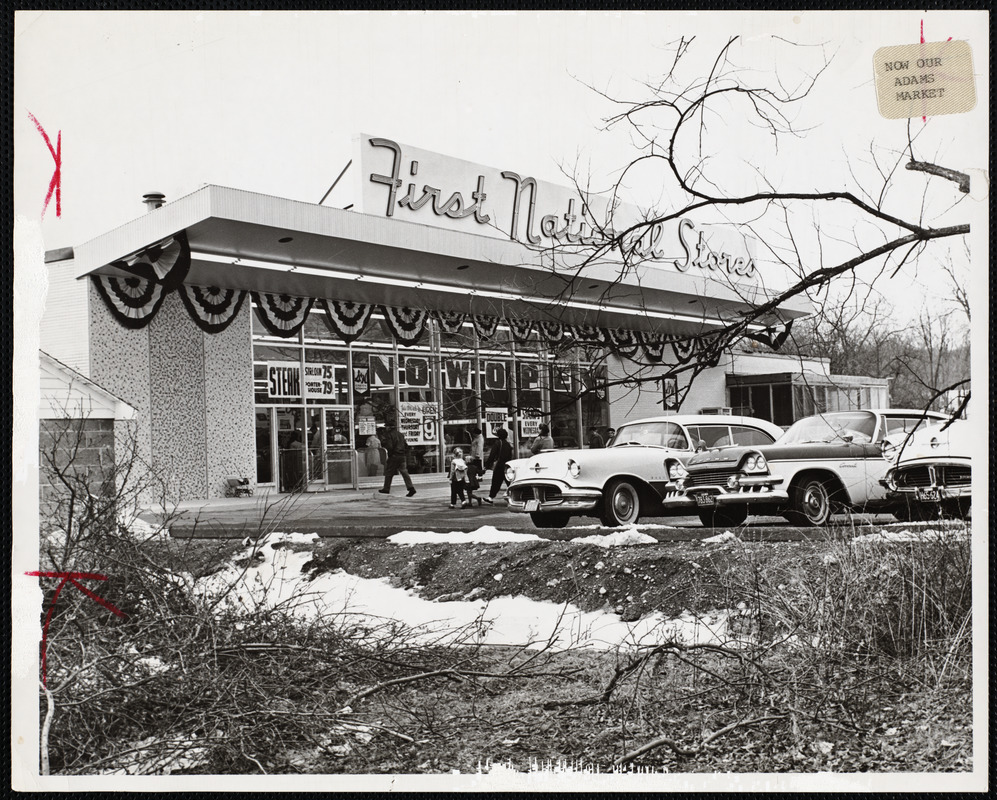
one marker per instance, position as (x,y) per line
(486,534)
(908,535)
(279,582)
(726,536)
(622,538)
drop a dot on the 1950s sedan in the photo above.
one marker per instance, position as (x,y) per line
(931,472)
(627,479)
(820,465)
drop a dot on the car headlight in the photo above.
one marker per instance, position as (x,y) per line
(574,468)
(755,462)
(510,474)
(890,451)
(676,471)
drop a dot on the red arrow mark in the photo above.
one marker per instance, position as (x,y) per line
(73,578)
(54,185)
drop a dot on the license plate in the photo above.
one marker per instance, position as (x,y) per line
(532,505)
(705,500)
(926,494)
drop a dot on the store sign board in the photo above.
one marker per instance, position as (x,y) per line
(366,426)
(407,183)
(495,418)
(529,426)
(413,371)
(284,380)
(419,423)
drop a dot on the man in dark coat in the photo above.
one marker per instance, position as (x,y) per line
(397,462)
(498,457)
(595,440)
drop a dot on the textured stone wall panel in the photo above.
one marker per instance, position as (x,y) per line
(176,356)
(228,398)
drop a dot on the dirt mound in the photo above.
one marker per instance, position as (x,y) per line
(632,581)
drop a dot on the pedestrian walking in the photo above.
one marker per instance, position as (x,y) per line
(372,453)
(595,440)
(498,457)
(397,461)
(543,441)
(458,479)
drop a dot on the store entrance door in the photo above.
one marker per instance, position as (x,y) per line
(340,457)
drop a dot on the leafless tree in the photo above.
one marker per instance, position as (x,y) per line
(860,231)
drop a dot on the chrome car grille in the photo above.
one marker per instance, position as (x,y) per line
(710,477)
(541,492)
(945,475)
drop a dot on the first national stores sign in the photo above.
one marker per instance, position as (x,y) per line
(404,182)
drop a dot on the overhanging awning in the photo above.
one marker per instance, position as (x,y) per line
(244,240)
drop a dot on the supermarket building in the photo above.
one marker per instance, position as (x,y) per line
(269,338)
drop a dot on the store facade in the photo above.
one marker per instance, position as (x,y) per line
(271,339)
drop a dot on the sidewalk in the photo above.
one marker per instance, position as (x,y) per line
(339,512)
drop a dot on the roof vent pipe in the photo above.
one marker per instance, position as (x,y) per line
(153,200)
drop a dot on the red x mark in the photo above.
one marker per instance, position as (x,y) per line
(54,185)
(73,578)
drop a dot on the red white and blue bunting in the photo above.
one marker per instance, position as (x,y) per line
(347,320)
(551,332)
(450,321)
(211,308)
(485,326)
(166,263)
(282,315)
(133,301)
(406,324)
(623,342)
(521,329)
(586,334)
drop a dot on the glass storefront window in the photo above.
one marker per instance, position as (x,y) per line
(326,377)
(563,406)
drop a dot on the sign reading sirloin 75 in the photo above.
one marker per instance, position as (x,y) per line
(405,182)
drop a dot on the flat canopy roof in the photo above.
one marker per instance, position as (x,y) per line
(805,377)
(235,241)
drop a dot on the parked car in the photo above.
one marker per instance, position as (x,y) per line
(931,474)
(627,479)
(820,465)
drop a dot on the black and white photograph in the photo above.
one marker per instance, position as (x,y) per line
(500,400)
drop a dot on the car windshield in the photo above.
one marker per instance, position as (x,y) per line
(847,426)
(651,434)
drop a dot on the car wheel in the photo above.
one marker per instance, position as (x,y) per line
(549,519)
(621,504)
(729,517)
(810,503)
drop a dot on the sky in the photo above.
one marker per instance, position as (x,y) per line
(270,102)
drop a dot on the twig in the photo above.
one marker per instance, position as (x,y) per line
(244,753)
(942,172)
(663,741)
(407,679)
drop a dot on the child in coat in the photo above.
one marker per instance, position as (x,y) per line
(458,479)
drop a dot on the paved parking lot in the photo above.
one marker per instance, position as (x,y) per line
(366,513)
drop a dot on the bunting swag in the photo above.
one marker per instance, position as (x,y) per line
(166,263)
(485,326)
(407,324)
(213,309)
(521,329)
(586,334)
(282,315)
(684,348)
(625,343)
(347,320)
(132,301)
(654,346)
(551,332)
(450,321)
